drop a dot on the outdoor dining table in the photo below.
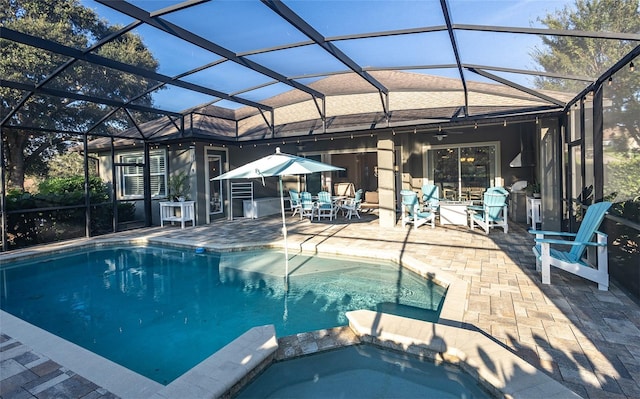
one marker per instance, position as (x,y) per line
(336,202)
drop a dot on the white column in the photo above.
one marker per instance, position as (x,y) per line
(386,181)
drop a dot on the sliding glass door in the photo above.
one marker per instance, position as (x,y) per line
(214,194)
(462,172)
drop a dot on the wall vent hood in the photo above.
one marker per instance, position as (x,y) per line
(526,156)
(517,161)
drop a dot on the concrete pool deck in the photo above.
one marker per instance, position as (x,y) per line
(583,338)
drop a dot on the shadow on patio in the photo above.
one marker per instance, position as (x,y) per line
(582,337)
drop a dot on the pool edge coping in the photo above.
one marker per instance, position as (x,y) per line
(105,373)
(471,350)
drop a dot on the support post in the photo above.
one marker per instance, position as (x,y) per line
(87,188)
(386,180)
(147,185)
(3,193)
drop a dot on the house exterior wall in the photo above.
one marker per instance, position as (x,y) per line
(510,144)
(179,158)
(382,162)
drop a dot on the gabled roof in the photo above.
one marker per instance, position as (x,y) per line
(414,99)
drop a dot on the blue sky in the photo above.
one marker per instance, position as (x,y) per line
(259,27)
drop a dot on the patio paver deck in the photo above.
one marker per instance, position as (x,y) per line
(584,338)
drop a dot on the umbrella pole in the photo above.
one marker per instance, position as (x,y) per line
(284,233)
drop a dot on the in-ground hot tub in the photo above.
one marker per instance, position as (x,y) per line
(362,371)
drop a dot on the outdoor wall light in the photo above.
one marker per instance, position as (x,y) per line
(631,66)
(610,81)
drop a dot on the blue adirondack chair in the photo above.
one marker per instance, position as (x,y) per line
(411,212)
(431,197)
(492,212)
(580,259)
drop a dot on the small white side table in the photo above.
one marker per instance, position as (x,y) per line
(534,211)
(179,211)
(454,212)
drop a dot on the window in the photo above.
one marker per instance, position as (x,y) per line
(463,172)
(132,175)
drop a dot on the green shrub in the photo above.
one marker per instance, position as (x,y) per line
(629,210)
(70,190)
(46,225)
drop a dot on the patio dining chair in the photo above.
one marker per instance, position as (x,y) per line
(294,200)
(587,257)
(411,212)
(324,206)
(493,211)
(352,205)
(307,207)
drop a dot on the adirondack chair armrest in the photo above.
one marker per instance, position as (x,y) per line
(565,242)
(552,233)
(595,244)
(475,208)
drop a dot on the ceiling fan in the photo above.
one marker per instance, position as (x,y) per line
(442,134)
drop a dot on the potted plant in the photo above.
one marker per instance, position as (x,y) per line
(179,187)
(533,189)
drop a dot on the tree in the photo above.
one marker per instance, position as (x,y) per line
(68,23)
(592,57)
(70,164)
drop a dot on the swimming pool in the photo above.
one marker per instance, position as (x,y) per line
(362,371)
(159,311)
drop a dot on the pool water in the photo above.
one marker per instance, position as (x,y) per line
(160,311)
(362,371)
